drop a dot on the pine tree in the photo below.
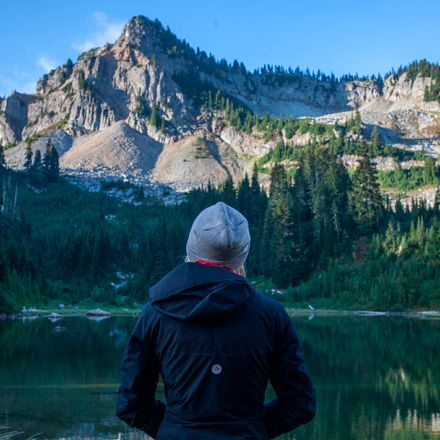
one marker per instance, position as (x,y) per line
(375,142)
(266,263)
(37,173)
(244,197)
(2,158)
(278,181)
(302,216)
(28,157)
(154,119)
(399,212)
(255,185)
(51,162)
(55,165)
(319,205)
(431,245)
(47,156)
(336,182)
(420,233)
(46,162)
(429,171)
(163,125)
(37,163)
(279,231)
(227,192)
(366,202)
(357,128)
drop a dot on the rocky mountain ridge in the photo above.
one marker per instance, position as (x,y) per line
(127,110)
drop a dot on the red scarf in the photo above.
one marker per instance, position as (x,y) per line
(212,263)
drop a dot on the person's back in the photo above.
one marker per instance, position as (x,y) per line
(216,343)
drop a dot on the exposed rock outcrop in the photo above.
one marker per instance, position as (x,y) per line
(14,116)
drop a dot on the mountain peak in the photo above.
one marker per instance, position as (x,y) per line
(140,31)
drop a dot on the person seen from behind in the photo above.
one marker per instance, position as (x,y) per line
(216,343)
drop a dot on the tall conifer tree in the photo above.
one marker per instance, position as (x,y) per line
(366,202)
(28,157)
(2,158)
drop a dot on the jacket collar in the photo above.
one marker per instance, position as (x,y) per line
(191,275)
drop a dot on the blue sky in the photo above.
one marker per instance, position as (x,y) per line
(334,36)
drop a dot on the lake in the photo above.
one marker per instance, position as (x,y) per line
(376,378)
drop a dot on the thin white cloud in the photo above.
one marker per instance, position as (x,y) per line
(46,63)
(107,31)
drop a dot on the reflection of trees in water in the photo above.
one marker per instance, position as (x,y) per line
(72,415)
(367,371)
(78,432)
(376,378)
(92,431)
(61,378)
(61,413)
(412,427)
(34,352)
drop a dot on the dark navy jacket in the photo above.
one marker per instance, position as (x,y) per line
(216,343)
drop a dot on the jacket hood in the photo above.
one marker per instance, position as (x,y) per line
(193,291)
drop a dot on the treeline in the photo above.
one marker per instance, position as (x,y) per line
(314,236)
(179,48)
(278,75)
(421,67)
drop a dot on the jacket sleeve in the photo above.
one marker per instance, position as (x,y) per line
(295,403)
(139,376)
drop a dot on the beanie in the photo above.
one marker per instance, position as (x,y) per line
(219,234)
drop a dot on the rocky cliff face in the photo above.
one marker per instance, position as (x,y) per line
(14,116)
(99,111)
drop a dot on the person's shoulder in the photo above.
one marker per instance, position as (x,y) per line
(148,314)
(150,310)
(147,322)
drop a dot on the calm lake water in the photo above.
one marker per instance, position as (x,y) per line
(376,378)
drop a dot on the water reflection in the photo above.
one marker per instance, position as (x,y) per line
(376,378)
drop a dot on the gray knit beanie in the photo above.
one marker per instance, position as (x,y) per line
(219,234)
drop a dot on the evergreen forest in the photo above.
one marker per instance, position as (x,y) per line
(321,235)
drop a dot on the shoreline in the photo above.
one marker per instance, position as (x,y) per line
(56,314)
(364,313)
